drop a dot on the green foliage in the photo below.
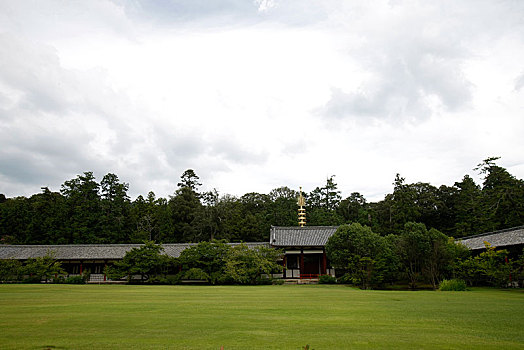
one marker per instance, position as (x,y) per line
(440,258)
(42,268)
(518,270)
(86,211)
(10,270)
(146,262)
(452,285)
(74,280)
(195,273)
(219,263)
(414,246)
(494,265)
(491,267)
(366,258)
(246,265)
(327,279)
(209,257)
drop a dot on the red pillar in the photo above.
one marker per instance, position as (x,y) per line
(284,262)
(105,266)
(80,267)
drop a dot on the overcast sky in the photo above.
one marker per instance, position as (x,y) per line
(258,94)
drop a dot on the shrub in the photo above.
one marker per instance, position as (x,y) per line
(263,281)
(32,279)
(196,274)
(453,285)
(327,279)
(75,280)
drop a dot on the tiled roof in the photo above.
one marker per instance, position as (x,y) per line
(502,238)
(89,251)
(294,236)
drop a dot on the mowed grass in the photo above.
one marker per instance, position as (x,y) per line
(256,317)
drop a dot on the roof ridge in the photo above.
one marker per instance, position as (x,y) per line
(493,232)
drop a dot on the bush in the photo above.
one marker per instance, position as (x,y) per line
(32,279)
(263,281)
(453,285)
(75,280)
(345,279)
(327,279)
(196,274)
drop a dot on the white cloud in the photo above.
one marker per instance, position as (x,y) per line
(253,95)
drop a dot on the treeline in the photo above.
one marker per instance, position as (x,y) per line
(417,256)
(86,211)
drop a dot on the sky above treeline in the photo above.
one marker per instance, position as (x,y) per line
(255,95)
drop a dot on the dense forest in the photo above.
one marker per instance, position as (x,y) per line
(85,211)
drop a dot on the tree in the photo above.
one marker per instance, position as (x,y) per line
(42,268)
(282,207)
(146,261)
(47,218)
(502,196)
(413,248)
(246,265)
(186,210)
(189,180)
(210,216)
(363,255)
(10,270)
(115,206)
(467,204)
(83,208)
(440,258)
(327,197)
(323,203)
(354,209)
(207,257)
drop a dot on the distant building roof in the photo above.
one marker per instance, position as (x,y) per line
(90,251)
(503,238)
(294,236)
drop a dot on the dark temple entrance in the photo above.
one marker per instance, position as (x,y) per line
(312,264)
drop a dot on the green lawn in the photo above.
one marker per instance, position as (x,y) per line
(261,317)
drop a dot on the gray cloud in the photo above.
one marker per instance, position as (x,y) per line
(231,13)
(519,82)
(236,152)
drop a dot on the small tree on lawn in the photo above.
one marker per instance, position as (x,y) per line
(146,262)
(246,265)
(208,257)
(441,256)
(366,257)
(495,266)
(414,246)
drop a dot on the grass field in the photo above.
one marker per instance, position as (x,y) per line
(258,317)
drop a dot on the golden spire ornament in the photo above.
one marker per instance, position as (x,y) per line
(301,210)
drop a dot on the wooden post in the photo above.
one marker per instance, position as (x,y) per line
(301,261)
(80,267)
(105,266)
(284,262)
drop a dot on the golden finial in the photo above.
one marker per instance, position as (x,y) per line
(301,210)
